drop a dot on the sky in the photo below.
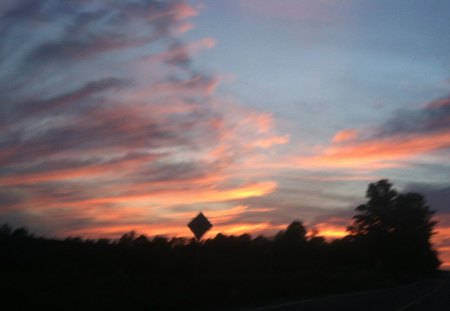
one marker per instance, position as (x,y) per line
(138,114)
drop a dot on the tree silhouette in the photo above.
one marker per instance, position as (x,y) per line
(21,232)
(127,238)
(135,272)
(288,249)
(396,229)
(5,229)
(295,233)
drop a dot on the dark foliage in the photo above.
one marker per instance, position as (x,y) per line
(389,243)
(395,229)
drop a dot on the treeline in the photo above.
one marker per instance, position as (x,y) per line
(388,242)
(290,250)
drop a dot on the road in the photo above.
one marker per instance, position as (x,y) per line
(428,295)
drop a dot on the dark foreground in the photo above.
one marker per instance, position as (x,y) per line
(430,295)
(224,273)
(38,292)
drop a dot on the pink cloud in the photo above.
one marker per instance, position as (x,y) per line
(377,152)
(78,171)
(182,10)
(345,135)
(181,53)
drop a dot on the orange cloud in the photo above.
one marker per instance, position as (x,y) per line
(89,171)
(242,136)
(345,135)
(189,196)
(268,142)
(376,153)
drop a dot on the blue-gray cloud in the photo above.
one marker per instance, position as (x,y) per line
(434,117)
(438,197)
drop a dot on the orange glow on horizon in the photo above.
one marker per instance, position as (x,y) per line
(440,241)
(243,228)
(173,230)
(333,234)
(330,231)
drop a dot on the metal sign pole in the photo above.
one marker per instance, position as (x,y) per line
(197,257)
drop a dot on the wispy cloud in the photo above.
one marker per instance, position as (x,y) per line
(409,134)
(106,125)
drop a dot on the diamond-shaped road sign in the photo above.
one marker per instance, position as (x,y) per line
(199,225)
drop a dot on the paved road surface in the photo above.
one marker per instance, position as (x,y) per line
(429,295)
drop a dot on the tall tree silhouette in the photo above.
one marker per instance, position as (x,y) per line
(396,229)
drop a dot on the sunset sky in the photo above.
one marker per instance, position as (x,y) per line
(137,114)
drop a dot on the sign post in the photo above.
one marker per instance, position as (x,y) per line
(199,225)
